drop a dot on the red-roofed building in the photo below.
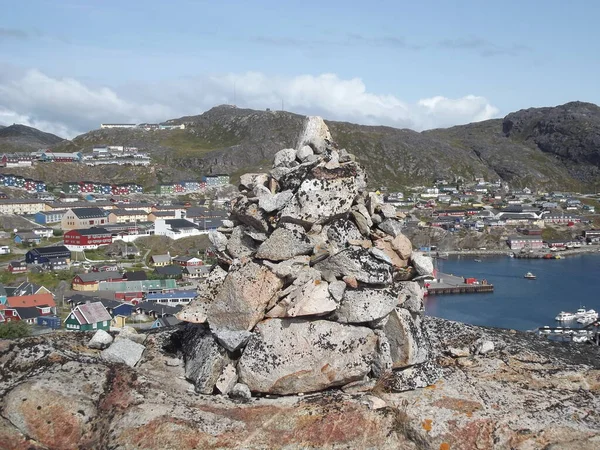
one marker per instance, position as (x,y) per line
(28,301)
(88,317)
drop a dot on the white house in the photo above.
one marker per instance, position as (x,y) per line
(176,228)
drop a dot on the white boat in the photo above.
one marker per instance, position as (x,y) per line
(580,312)
(589,316)
(565,316)
(580,338)
(530,276)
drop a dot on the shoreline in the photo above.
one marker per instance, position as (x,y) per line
(573,252)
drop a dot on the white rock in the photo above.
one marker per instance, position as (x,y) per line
(124,351)
(218,239)
(483,347)
(100,340)
(231,340)
(250,180)
(387,211)
(304,153)
(227,379)
(423,264)
(408,344)
(315,134)
(310,299)
(375,403)
(336,289)
(284,157)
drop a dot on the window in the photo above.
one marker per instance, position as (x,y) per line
(105,322)
(94,326)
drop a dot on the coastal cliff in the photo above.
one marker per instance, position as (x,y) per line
(499,389)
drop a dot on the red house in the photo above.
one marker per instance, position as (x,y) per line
(17,267)
(87,239)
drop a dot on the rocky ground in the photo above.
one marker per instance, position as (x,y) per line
(499,389)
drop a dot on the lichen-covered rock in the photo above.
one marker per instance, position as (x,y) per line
(324,195)
(337,289)
(284,243)
(408,344)
(394,258)
(250,180)
(240,244)
(366,304)
(358,263)
(57,409)
(250,214)
(290,268)
(284,157)
(243,297)
(411,297)
(227,379)
(339,232)
(414,377)
(287,356)
(275,202)
(204,358)
(196,310)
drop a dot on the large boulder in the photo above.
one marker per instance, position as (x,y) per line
(243,298)
(124,351)
(100,340)
(315,134)
(240,244)
(204,358)
(366,304)
(287,356)
(408,344)
(196,310)
(324,195)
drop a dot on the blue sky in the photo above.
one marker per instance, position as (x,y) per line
(66,65)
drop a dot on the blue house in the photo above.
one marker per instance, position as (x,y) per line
(47,217)
(27,237)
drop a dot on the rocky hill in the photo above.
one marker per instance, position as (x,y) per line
(547,147)
(23,138)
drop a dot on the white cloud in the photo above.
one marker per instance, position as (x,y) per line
(67,106)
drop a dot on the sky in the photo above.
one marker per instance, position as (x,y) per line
(68,65)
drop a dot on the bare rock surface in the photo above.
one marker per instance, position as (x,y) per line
(124,351)
(529,393)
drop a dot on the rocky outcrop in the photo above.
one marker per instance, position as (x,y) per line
(308,292)
(526,393)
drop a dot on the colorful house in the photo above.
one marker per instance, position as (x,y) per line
(88,317)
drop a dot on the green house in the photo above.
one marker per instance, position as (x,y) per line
(88,317)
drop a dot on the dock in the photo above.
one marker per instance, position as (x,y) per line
(588,333)
(451,284)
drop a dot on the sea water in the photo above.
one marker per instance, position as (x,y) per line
(561,285)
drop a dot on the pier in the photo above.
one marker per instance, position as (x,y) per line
(450,284)
(588,333)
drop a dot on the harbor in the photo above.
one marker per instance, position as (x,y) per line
(451,284)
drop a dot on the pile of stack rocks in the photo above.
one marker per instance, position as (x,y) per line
(315,287)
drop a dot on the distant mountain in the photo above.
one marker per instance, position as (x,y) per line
(23,138)
(555,148)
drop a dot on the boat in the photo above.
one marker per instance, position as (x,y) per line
(565,316)
(530,276)
(477,260)
(587,317)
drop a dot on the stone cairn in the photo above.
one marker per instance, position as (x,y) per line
(315,285)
